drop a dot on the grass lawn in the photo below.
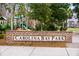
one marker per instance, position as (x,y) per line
(73,29)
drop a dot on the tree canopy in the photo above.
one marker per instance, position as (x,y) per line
(51,15)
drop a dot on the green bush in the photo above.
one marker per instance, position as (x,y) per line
(52,27)
(65,29)
(1,36)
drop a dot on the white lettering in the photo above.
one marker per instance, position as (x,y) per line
(40,38)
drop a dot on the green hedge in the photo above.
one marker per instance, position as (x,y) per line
(1,36)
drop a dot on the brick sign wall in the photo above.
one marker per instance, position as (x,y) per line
(15,36)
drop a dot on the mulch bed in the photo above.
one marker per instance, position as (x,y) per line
(33,43)
(2,42)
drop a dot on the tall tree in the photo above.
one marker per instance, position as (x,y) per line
(60,13)
(40,12)
(22,12)
(11,8)
(8,7)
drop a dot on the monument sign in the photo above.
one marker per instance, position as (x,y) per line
(39,38)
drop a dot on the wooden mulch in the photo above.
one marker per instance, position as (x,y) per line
(2,42)
(35,44)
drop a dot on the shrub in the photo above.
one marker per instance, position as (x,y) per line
(1,36)
(65,29)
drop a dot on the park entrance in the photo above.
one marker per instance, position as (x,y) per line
(39,38)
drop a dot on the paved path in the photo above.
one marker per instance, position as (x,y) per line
(37,51)
(75,38)
(75,41)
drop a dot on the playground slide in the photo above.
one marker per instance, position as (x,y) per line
(25,27)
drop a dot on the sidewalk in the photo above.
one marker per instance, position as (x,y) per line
(37,51)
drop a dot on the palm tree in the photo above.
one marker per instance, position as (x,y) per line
(68,12)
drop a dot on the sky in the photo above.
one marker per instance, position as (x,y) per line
(72,7)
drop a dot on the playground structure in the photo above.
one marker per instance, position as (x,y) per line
(20,23)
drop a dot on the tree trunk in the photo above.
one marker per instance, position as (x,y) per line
(12,19)
(41,27)
(12,15)
(42,24)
